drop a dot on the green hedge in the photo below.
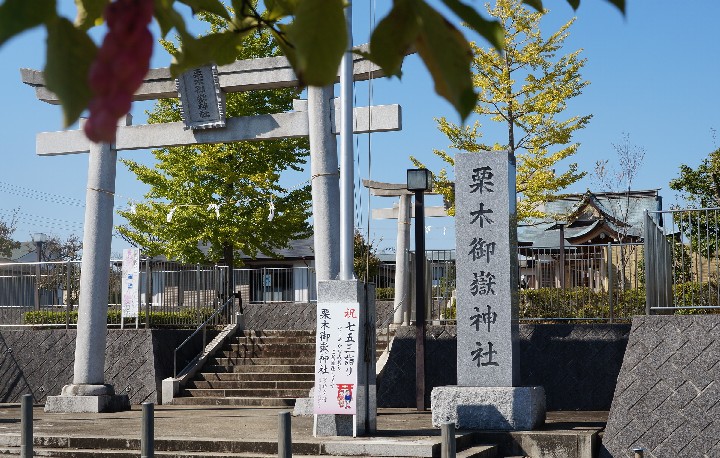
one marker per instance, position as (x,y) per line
(184,318)
(384,294)
(703,294)
(579,302)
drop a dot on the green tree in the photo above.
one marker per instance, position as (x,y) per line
(7,228)
(63,275)
(700,188)
(225,197)
(525,88)
(366,263)
(312,34)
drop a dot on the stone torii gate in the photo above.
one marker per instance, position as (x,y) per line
(402,213)
(88,392)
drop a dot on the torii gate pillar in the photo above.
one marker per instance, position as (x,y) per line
(88,392)
(325,181)
(403,213)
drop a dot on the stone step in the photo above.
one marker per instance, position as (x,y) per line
(96,453)
(268,350)
(277,348)
(66,445)
(270,341)
(262,361)
(269,368)
(203,448)
(479,451)
(236,401)
(253,376)
(250,385)
(278,332)
(278,337)
(252,344)
(245,393)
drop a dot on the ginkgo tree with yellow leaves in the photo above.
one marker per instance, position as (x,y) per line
(525,88)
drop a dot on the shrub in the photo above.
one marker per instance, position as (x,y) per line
(384,294)
(179,318)
(699,294)
(580,302)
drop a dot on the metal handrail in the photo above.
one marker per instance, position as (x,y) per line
(199,328)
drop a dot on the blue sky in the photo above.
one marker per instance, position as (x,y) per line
(653,75)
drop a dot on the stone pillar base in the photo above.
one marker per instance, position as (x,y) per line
(305,407)
(335,425)
(87,399)
(489,408)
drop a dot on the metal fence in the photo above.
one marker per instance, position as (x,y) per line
(48,293)
(578,282)
(263,285)
(441,272)
(440,283)
(171,294)
(582,282)
(682,260)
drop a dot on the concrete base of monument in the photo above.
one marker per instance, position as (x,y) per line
(87,399)
(489,408)
(334,425)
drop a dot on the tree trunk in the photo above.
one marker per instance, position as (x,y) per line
(510,115)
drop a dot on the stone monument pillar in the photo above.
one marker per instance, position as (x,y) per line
(88,392)
(488,395)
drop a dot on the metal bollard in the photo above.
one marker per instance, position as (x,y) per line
(284,439)
(639,452)
(26,426)
(448,448)
(147,436)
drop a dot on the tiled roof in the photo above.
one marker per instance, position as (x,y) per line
(299,249)
(615,209)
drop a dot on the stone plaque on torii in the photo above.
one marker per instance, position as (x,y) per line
(402,213)
(89,392)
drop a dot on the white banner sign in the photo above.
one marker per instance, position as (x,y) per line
(130,282)
(336,358)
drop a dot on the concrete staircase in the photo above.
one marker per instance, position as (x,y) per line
(256,368)
(107,447)
(259,368)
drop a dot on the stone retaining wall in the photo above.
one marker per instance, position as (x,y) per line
(667,399)
(577,364)
(40,361)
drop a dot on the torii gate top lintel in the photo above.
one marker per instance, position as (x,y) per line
(241,75)
(380,189)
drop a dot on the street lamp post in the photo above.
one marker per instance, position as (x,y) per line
(419,181)
(562,255)
(39,238)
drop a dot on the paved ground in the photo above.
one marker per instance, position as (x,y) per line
(242,423)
